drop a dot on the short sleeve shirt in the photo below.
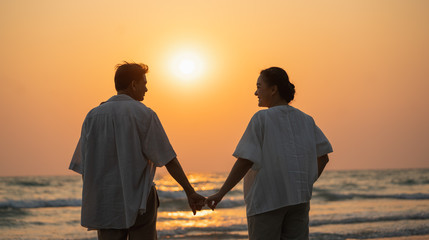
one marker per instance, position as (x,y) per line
(283,143)
(121,144)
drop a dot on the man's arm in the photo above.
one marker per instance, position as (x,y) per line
(196,201)
(238,171)
(321,163)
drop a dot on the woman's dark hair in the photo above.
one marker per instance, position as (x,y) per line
(278,76)
(127,72)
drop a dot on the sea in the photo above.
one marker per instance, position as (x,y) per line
(357,204)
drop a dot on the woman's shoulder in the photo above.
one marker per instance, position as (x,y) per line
(299,111)
(280,110)
(299,114)
(286,110)
(260,114)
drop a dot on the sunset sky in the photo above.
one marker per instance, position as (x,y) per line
(361,69)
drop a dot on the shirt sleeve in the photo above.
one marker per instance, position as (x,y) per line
(250,145)
(76,162)
(156,146)
(323,146)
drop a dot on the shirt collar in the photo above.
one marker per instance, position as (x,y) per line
(120,97)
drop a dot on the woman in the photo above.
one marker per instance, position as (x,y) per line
(282,153)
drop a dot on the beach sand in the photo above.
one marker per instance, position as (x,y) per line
(419,237)
(240,236)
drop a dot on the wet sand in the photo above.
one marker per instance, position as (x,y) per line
(419,237)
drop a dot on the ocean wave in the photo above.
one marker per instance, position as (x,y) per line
(165,205)
(230,203)
(182,195)
(207,232)
(171,194)
(30,183)
(183,205)
(410,182)
(40,203)
(178,201)
(329,196)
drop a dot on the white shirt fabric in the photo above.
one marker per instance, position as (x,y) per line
(121,144)
(283,143)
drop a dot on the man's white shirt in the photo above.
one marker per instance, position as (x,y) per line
(121,144)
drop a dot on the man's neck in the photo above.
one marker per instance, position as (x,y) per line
(126,92)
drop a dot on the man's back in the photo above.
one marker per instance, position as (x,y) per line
(122,142)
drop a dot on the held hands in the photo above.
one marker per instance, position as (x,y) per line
(196,202)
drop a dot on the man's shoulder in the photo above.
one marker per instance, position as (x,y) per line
(139,106)
(123,107)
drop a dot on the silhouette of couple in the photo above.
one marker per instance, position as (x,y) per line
(280,155)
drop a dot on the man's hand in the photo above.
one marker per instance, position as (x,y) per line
(196,202)
(321,163)
(213,200)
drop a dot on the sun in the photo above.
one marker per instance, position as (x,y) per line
(187,65)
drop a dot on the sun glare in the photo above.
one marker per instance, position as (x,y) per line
(187,65)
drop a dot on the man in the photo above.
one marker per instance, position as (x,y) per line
(121,144)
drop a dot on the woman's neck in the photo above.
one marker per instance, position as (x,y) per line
(278,102)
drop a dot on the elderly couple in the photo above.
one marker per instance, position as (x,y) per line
(280,155)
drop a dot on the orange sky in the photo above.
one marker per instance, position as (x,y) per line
(360,69)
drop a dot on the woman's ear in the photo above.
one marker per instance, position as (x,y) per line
(274,89)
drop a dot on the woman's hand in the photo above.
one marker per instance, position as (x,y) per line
(213,200)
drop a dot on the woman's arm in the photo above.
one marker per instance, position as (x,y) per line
(238,171)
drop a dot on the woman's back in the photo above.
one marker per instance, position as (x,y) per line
(284,144)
